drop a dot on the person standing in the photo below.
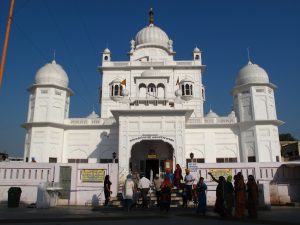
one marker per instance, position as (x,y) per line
(107,191)
(252,200)
(128,192)
(201,192)
(229,196)
(240,196)
(166,189)
(189,180)
(157,185)
(220,195)
(144,186)
(170,174)
(177,176)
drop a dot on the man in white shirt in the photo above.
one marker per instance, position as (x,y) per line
(189,180)
(144,186)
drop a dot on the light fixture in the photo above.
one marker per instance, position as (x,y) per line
(191,155)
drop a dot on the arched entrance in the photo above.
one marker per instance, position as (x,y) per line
(151,157)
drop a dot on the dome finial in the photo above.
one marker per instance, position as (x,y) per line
(54,53)
(248,52)
(151,16)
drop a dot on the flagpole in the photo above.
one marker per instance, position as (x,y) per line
(12,2)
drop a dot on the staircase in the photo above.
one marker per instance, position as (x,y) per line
(176,200)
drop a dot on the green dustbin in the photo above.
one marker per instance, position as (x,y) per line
(14,194)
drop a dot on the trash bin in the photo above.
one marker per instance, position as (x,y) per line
(14,194)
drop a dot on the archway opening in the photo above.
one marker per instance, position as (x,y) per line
(151,157)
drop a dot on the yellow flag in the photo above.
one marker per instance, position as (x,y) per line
(123,82)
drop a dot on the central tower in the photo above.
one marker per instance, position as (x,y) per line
(151,96)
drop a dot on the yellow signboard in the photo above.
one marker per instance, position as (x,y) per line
(93,175)
(152,156)
(221,172)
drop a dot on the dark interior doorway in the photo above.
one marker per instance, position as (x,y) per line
(152,164)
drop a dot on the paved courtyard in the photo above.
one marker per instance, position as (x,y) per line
(114,216)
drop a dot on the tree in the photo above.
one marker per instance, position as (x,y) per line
(286,137)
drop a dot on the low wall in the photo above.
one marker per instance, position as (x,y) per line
(28,176)
(278,182)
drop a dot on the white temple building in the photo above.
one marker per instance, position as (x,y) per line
(152,114)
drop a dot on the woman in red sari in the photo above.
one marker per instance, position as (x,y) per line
(177,176)
(240,196)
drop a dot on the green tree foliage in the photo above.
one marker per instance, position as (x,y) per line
(286,137)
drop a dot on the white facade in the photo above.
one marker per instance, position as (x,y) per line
(152,113)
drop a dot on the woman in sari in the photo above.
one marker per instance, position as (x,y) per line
(252,200)
(240,196)
(201,192)
(177,176)
(165,200)
(220,195)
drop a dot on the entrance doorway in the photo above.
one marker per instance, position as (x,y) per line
(148,155)
(152,165)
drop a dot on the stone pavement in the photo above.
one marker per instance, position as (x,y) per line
(277,215)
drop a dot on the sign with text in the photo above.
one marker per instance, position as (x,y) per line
(192,166)
(152,137)
(93,175)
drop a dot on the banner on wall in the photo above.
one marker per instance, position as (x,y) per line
(93,175)
(221,172)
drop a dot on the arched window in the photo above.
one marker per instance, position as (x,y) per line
(161,91)
(117,91)
(151,88)
(106,58)
(187,89)
(151,91)
(197,57)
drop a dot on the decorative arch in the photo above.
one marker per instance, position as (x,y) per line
(161,91)
(142,90)
(151,91)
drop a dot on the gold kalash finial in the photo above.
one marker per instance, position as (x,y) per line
(151,16)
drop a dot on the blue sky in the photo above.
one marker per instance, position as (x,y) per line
(78,30)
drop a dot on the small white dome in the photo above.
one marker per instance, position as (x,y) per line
(52,73)
(152,35)
(232,114)
(211,114)
(125,92)
(196,50)
(149,73)
(106,50)
(178,93)
(93,115)
(251,73)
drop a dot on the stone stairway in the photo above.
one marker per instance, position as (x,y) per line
(176,200)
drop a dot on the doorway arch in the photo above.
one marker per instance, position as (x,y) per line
(147,155)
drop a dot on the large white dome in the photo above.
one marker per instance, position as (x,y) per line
(152,35)
(52,73)
(251,73)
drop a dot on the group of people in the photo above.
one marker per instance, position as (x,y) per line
(237,196)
